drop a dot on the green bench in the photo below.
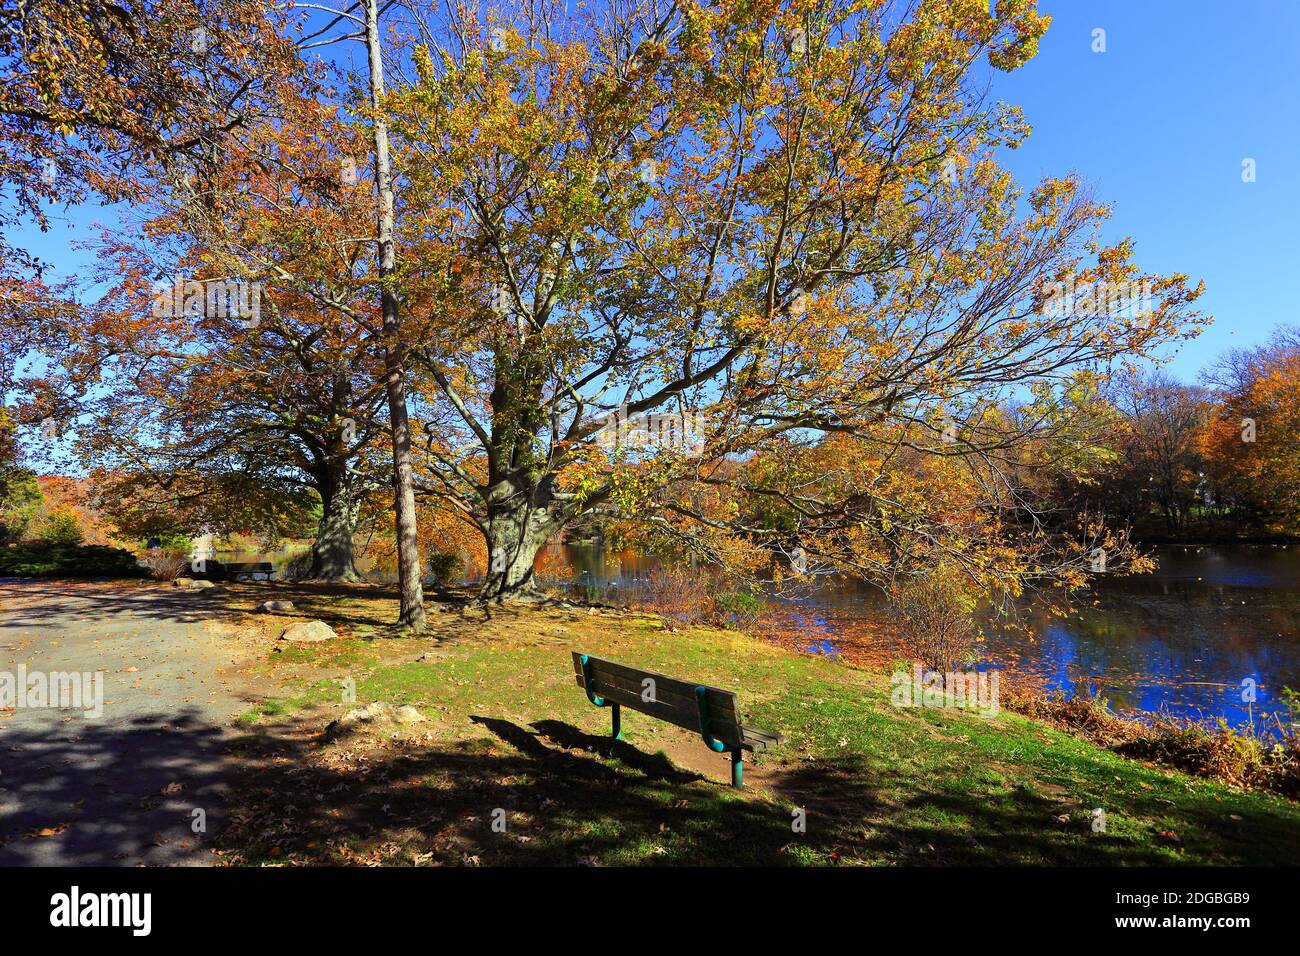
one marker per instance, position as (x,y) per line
(257,570)
(708,711)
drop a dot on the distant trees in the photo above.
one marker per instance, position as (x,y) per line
(1160,464)
(1219,459)
(1251,443)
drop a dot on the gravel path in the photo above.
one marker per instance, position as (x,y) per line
(120,788)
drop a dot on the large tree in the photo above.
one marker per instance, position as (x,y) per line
(780,227)
(252,362)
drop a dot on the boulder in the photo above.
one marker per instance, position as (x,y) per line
(276,606)
(308,632)
(379,710)
(380,714)
(192,584)
(406,714)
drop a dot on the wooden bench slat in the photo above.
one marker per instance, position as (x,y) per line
(725,730)
(665,686)
(721,704)
(687,711)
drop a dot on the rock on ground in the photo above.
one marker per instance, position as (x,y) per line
(379,714)
(276,606)
(308,632)
(192,584)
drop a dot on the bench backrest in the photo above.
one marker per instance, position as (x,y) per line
(666,698)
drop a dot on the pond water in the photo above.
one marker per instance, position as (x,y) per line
(1182,639)
(1192,638)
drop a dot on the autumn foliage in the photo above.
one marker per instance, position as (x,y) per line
(784,222)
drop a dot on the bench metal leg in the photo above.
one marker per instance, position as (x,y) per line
(617,714)
(738,768)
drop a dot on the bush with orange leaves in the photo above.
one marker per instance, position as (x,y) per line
(936,616)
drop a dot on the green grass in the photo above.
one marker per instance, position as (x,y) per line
(509,729)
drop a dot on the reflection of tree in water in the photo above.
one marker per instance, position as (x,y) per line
(1182,638)
(1186,651)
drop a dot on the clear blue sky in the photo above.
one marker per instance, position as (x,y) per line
(1159,125)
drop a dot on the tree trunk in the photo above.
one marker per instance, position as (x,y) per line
(408,553)
(331,552)
(516,531)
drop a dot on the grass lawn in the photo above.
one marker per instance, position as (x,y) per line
(510,737)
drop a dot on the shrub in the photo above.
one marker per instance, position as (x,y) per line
(20,503)
(61,527)
(445,567)
(935,615)
(13,526)
(679,592)
(1247,757)
(167,564)
(45,560)
(740,608)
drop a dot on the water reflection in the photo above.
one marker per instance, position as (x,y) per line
(1182,639)
(1195,638)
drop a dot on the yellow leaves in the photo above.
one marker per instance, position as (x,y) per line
(1026,29)
(423,63)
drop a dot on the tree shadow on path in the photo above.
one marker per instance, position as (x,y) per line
(101,795)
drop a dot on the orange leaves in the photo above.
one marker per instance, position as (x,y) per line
(1251,442)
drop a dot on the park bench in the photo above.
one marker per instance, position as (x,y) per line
(708,711)
(257,570)
(235,570)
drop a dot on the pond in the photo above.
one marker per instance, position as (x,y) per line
(1187,639)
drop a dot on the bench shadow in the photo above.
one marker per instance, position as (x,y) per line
(655,766)
(528,742)
(530,746)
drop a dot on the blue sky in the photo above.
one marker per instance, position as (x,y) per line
(1159,124)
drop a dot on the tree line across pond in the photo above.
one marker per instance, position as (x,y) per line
(1215,460)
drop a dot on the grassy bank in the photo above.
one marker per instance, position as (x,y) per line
(509,736)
